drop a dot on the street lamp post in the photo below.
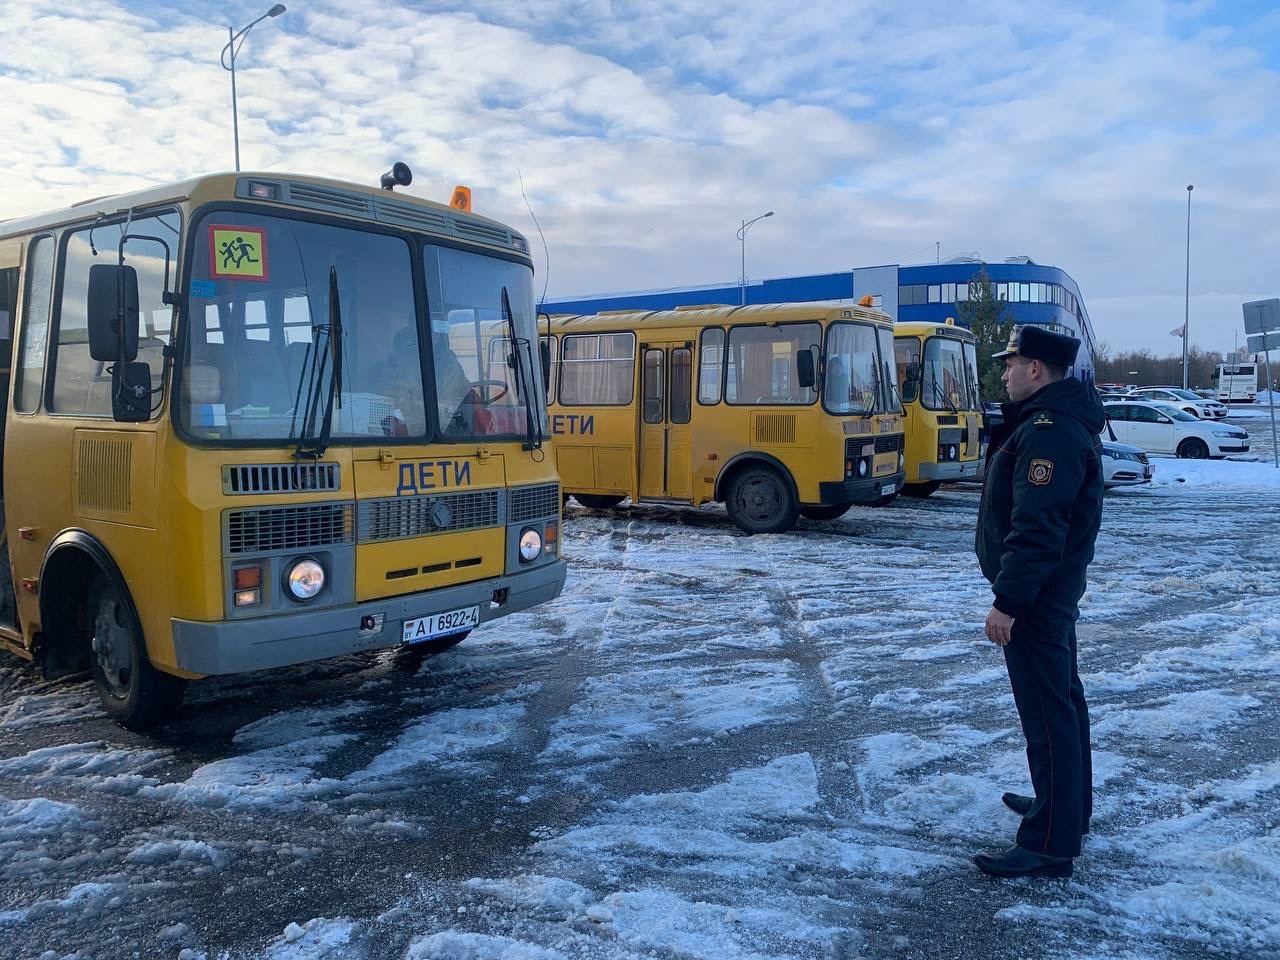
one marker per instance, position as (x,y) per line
(1186,309)
(231,49)
(742,238)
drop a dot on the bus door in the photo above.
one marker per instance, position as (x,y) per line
(10,262)
(666,398)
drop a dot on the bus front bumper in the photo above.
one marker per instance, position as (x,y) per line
(960,470)
(861,491)
(279,641)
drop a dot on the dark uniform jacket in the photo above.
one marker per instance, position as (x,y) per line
(1042,499)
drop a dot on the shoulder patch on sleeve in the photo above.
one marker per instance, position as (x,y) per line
(1040,472)
(1043,419)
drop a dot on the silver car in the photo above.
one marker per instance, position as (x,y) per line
(1192,403)
(1124,465)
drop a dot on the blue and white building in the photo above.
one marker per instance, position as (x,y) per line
(1036,293)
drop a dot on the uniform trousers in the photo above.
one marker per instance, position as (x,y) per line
(1041,659)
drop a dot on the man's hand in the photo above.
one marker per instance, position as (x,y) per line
(999,627)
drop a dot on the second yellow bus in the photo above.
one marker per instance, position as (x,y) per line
(776,410)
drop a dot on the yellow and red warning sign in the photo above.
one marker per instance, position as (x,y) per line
(237,253)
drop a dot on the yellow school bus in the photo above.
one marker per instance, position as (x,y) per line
(777,410)
(937,366)
(236,436)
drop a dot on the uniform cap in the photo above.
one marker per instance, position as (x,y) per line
(1034,342)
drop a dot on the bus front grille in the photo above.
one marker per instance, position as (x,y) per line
(396,518)
(265,530)
(889,444)
(534,503)
(280,478)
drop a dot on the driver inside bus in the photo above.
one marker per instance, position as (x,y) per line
(456,399)
(402,381)
(837,384)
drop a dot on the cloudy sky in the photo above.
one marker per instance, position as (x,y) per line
(646,131)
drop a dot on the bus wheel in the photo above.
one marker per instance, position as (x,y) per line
(760,501)
(135,694)
(598,501)
(926,489)
(1193,448)
(825,512)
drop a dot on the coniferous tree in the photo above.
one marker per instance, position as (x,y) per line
(988,317)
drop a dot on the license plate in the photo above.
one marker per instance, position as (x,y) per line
(887,489)
(440,624)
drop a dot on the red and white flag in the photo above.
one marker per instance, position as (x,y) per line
(1179,331)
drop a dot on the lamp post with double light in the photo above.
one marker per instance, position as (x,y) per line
(230,50)
(742,239)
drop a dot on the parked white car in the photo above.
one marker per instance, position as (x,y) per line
(1184,400)
(1160,428)
(1124,465)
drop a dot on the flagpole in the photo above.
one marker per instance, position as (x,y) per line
(1186,310)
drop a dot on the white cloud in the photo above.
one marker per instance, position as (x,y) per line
(646,131)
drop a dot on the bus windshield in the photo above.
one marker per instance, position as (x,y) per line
(258,361)
(947,381)
(856,381)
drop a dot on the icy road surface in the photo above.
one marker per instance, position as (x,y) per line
(712,746)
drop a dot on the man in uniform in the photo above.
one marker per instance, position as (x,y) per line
(1041,508)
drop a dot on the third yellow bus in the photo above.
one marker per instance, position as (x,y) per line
(937,365)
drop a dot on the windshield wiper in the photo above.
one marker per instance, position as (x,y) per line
(937,388)
(533,429)
(314,449)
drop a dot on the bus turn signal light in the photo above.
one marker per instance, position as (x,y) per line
(247,578)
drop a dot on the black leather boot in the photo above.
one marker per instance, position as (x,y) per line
(1018,803)
(1021,805)
(1017,862)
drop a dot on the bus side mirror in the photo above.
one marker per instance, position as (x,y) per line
(131,392)
(804,368)
(544,352)
(113,313)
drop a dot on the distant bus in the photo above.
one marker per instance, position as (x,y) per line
(938,370)
(776,410)
(1237,382)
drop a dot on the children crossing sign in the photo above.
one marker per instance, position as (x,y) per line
(237,253)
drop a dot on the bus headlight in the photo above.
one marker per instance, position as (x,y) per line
(530,545)
(902,460)
(305,579)
(862,467)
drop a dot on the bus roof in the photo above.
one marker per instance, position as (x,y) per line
(711,315)
(338,197)
(929,328)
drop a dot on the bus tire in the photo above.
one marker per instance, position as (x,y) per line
(760,501)
(135,694)
(926,489)
(1193,448)
(598,501)
(831,512)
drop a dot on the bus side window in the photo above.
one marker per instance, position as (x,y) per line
(681,384)
(710,363)
(35,326)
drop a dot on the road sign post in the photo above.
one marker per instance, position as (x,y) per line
(1262,325)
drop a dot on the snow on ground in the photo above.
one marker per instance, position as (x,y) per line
(712,746)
